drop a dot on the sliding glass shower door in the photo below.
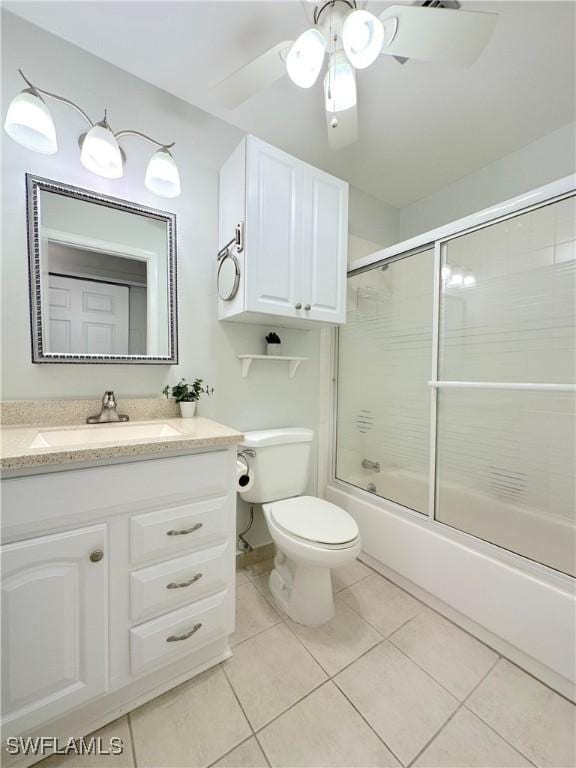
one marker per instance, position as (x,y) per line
(385,363)
(506,373)
(456,383)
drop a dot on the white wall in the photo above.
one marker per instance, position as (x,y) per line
(371,219)
(549,158)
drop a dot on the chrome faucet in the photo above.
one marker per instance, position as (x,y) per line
(108,412)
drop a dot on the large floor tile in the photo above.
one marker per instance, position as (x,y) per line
(339,642)
(346,575)
(241,577)
(117,730)
(403,704)
(247,755)
(381,603)
(467,741)
(191,725)
(253,613)
(535,720)
(453,658)
(259,568)
(262,584)
(270,672)
(323,731)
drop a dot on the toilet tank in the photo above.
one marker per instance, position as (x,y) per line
(281,463)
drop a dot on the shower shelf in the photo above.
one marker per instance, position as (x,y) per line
(294,362)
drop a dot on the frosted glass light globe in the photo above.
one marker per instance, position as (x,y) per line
(29,123)
(362,38)
(339,84)
(101,153)
(305,58)
(162,176)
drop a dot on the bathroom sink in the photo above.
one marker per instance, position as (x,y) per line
(101,433)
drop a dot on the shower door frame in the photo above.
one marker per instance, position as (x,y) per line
(436,239)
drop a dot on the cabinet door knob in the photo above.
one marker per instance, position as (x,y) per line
(298,306)
(307,307)
(96,556)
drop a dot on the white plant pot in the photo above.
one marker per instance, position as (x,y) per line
(273,349)
(188,410)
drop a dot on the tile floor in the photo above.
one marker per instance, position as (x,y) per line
(388,682)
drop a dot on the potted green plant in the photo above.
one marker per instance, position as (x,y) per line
(273,344)
(187,395)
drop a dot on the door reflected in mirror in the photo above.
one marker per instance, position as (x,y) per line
(102,277)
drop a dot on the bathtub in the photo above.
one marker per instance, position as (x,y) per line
(524,610)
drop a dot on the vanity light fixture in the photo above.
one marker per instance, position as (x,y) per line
(30,124)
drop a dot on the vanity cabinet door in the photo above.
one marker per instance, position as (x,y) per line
(275,197)
(54,626)
(325,247)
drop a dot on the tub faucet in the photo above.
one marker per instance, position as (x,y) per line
(108,412)
(373,465)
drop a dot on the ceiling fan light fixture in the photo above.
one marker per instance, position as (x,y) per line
(362,38)
(339,84)
(305,58)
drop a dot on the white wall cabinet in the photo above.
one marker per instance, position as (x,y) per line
(292,261)
(54,624)
(117,584)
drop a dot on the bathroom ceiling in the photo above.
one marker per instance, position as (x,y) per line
(421,125)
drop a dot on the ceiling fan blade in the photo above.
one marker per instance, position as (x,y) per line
(255,76)
(436,34)
(346,132)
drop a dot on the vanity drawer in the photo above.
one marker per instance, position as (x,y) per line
(179,632)
(169,532)
(177,581)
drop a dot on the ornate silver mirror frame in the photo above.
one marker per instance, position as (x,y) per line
(40,354)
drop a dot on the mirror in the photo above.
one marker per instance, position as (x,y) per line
(102,278)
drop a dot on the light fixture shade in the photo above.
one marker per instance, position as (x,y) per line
(469,280)
(305,58)
(456,279)
(162,176)
(29,123)
(101,153)
(362,38)
(339,84)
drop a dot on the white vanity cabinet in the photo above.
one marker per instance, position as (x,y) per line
(294,223)
(117,584)
(54,624)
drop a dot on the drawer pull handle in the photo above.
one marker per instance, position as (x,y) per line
(185,531)
(180,584)
(177,638)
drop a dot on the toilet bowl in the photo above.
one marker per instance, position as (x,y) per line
(311,535)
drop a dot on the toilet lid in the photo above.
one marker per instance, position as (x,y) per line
(314,520)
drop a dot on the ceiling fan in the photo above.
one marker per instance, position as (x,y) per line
(351,39)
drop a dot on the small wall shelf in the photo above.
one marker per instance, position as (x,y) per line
(294,362)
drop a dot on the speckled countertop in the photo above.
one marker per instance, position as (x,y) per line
(26,446)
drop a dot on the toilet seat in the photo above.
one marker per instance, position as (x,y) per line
(314,521)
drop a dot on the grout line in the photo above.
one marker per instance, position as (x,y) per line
(453,715)
(335,682)
(294,704)
(263,750)
(504,739)
(239,703)
(230,750)
(132,740)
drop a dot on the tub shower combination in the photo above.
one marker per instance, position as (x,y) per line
(455,419)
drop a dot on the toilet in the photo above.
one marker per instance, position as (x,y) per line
(311,535)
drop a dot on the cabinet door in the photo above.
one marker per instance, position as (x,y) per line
(326,247)
(54,626)
(273,230)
